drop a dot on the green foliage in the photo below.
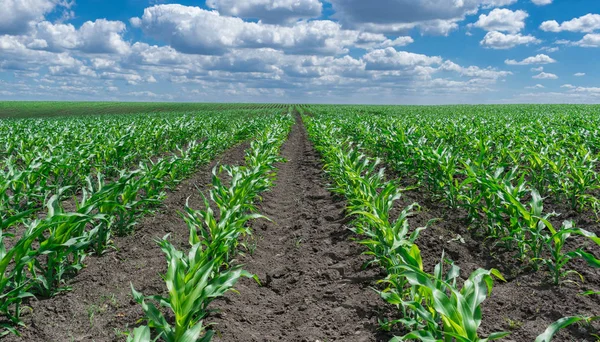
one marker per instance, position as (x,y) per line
(206,272)
(112,169)
(431,306)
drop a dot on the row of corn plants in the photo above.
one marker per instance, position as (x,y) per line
(431,306)
(503,205)
(40,156)
(51,248)
(207,270)
(555,148)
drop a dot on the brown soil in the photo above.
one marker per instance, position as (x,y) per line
(313,286)
(526,304)
(100,306)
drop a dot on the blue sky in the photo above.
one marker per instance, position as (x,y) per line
(314,51)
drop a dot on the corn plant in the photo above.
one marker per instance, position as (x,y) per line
(449,313)
(558,258)
(206,272)
(431,305)
(193,282)
(14,283)
(63,245)
(564,322)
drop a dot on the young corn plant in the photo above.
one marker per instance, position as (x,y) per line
(450,314)
(193,282)
(562,323)
(195,279)
(14,283)
(63,245)
(558,259)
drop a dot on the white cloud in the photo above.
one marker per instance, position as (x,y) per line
(589,40)
(579,74)
(549,49)
(65,65)
(100,36)
(499,41)
(538,69)
(503,20)
(390,59)
(537,86)
(541,2)
(372,41)
(195,30)
(588,90)
(400,41)
(17,16)
(545,76)
(497,3)
(593,90)
(269,11)
(587,23)
(538,59)
(473,71)
(103,36)
(438,17)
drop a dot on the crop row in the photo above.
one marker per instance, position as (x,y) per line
(207,270)
(499,174)
(49,249)
(436,306)
(40,157)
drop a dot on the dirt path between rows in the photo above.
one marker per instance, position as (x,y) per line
(100,306)
(313,286)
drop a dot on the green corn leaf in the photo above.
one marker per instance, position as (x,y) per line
(140,334)
(564,322)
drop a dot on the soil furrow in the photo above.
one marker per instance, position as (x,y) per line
(313,287)
(100,307)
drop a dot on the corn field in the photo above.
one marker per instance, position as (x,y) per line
(479,223)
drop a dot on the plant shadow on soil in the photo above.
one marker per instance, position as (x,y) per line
(526,304)
(313,285)
(100,306)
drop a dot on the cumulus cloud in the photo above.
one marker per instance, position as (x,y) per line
(503,20)
(541,2)
(579,74)
(269,11)
(103,36)
(198,31)
(500,41)
(390,59)
(430,17)
(18,16)
(538,69)
(587,23)
(537,86)
(538,59)
(474,71)
(589,40)
(372,41)
(100,36)
(545,76)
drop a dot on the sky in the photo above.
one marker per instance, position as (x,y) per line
(301,51)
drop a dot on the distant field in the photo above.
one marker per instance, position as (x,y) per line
(17,109)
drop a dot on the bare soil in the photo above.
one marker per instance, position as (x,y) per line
(100,306)
(527,303)
(312,285)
